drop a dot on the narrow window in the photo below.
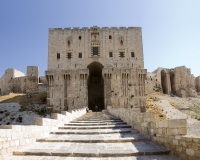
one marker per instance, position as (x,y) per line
(121,54)
(80,55)
(110,54)
(58,55)
(95,51)
(69,55)
(79,37)
(68,42)
(110,37)
(132,54)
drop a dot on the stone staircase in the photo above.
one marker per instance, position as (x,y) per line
(94,136)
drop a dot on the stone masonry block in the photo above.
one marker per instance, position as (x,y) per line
(175,142)
(172,131)
(190,152)
(177,123)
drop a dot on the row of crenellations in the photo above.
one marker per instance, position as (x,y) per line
(102,28)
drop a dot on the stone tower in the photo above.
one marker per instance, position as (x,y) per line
(95,66)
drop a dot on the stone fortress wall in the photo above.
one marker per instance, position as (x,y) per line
(107,60)
(176,81)
(16,81)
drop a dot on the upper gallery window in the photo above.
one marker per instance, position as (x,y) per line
(110,54)
(95,51)
(80,55)
(69,55)
(121,54)
(58,55)
(132,54)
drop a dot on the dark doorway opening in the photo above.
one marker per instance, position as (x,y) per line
(0,91)
(172,81)
(164,82)
(95,87)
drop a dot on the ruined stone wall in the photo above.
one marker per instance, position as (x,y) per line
(197,84)
(152,83)
(177,81)
(16,81)
(117,55)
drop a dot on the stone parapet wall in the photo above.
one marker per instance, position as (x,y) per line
(12,137)
(169,133)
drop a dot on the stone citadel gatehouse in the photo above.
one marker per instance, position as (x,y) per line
(95,66)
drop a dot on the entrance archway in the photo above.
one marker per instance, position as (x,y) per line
(95,86)
(164,82)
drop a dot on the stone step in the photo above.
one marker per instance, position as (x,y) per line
(92,124)
(96,127)
(97,121)
(103,138)
(92,149)
(95,131)
(146,157)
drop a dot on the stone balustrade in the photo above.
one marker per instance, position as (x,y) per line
(169,133)
(12,137)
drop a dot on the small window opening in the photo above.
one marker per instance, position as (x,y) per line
(121,54)
(68,42)
(95,51)
(121,42)
(132,54)
(79,37)
(58,55)
(69,55)
(110,54)
(80,55)
(110,37)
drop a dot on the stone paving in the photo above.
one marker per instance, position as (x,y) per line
(113,140)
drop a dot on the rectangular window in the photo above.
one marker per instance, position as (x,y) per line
(80,55)
(58,55)
(132,54)
(121,54)
(110,54)
(69,55)
(95,51)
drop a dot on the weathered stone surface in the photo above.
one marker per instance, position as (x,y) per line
(16,81)
(175,81)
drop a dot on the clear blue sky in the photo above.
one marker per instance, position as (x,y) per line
(171,29)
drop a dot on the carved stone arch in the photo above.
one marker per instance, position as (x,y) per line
(95,86)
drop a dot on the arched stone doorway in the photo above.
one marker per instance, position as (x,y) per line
(95,86)
(172,81)
(164,82)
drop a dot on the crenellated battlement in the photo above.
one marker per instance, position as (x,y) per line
(90,28)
